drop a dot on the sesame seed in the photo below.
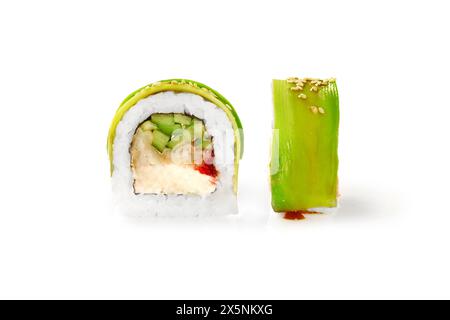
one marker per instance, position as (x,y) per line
(321,110)
(174,82)
(313,89)
(302,96)
(313,109)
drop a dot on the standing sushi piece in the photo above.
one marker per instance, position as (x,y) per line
(304,161)
(174,148)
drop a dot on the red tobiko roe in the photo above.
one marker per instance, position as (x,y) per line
(207,169)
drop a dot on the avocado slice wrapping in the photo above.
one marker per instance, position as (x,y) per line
(304,157)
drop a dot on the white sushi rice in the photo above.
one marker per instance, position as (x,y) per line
(221,202)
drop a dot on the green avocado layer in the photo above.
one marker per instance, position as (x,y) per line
(304,160)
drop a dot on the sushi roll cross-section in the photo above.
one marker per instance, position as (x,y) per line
(174,149)
(304,161)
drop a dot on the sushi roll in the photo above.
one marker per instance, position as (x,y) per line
(174,148)
(304,161)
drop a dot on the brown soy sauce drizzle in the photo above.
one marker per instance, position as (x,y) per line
(297,215)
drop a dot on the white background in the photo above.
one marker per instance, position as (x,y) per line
(66,65)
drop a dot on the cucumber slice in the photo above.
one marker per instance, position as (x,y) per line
(182,119)
(172,144)
(160,140)
(148,126)
(168,129)
(165,122)
(184,134)
(162,119)
(197,143)
(197,129)
(179,136)
(206,142)
(197,121)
